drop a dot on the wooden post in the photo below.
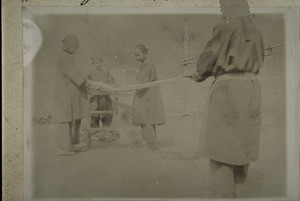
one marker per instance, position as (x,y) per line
(186,54)
(186,42)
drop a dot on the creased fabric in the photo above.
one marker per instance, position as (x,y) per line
(148,102)
(233,56)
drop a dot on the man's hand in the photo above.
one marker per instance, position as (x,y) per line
(103,87)
(89,84)
(111,79)
(196,77)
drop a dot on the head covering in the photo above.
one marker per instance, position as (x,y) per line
(239,9)
(70,41)
(235,7)
(96,59)
(142,47)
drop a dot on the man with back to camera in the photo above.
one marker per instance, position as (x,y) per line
(234,57)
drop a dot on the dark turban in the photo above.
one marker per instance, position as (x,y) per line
(70,41)
(142,47)
(237,7)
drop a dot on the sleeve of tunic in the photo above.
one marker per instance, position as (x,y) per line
(236,46)
(71,72)
(148,76)
(152,73)
(209,55)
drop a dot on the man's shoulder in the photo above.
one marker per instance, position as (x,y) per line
(228,25)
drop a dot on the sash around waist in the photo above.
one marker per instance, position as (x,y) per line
(244,76)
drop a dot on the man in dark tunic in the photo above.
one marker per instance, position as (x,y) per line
(147,102)
(233,56)
(71,102)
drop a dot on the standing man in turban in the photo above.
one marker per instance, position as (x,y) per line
(147,102)
(71,98)
(234,57)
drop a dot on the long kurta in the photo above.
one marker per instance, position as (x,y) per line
(234,56)
(71,100)
(147,102)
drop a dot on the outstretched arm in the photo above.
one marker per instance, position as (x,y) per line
(208,57)
(71,72)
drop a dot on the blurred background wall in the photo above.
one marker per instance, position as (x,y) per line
(113,37)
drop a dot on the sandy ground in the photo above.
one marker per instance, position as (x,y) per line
(107,170)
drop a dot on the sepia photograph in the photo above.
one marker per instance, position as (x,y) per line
(159,103)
